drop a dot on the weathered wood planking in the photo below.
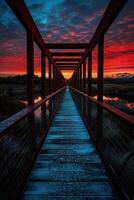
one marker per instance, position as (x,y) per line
(68,166)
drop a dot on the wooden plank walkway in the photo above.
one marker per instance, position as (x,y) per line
(68,166)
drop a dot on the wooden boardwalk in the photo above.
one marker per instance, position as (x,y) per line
(68,166)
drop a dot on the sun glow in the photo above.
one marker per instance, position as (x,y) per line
(67,74)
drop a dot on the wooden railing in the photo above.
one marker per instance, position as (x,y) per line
(112,132)
(22,134)
(21,137)
(78,79)
(33,35)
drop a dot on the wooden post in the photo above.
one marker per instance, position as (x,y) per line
(50,77)
(80,77)
(89,73)
(43,73)
(77,79)
(54,77)
(100,68)
(56,84)
(30,68)
(84,76)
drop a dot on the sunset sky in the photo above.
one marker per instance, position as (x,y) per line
(67,21)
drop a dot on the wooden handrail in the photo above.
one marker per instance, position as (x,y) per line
(14,119)
(108,107)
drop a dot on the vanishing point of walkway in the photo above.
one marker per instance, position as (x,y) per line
(68,166)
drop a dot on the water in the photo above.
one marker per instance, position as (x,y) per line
(122,104)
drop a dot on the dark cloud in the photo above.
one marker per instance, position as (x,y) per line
(65,21)
(67,16)
(35,6)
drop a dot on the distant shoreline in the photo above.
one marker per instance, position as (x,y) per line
(10,75)
(117,76)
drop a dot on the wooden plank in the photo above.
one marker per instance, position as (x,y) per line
(64,168)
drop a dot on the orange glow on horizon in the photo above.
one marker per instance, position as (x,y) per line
(14,65)
(67,74)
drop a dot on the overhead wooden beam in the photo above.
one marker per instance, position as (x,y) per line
(62,63)
(69,68)
(66,64)
(66,45)
(66,67)
(67,54)
(67,59)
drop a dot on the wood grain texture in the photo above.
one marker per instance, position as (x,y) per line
(68,166)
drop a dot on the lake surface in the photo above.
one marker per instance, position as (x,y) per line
(122,104)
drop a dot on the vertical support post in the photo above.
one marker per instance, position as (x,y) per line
(84,76)
(56,84)
(30,68)
(43,74)
(50,74)
(43,81)
(74,82)
(54,77)
(100,68)
(77,79)
(50,87)
(80,77)
(89,73)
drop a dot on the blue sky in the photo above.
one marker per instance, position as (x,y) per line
(68,21)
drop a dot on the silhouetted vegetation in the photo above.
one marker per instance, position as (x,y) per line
(120,88)
(13,93)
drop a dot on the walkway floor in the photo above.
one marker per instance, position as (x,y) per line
(68,166)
